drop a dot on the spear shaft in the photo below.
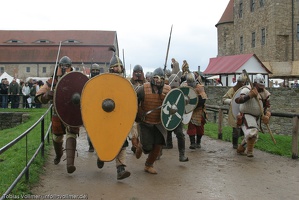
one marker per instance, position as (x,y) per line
(55,69)
(165,65)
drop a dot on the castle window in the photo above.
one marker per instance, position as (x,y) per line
(253,39)
(262,3)
(263,36)
(241,44)
(298,32)
(252,4)
(44,70)
(28,69)
(1,70)
(241,9)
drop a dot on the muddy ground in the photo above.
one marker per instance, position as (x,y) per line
(213,172)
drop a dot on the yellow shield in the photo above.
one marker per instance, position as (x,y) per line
(108,108)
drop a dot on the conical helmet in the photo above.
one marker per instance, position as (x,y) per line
(116,62)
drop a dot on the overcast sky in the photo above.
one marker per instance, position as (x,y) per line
(143,27)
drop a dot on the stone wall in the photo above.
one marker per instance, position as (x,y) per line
(9,119)
(283,100)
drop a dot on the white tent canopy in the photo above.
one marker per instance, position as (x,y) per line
(6,75)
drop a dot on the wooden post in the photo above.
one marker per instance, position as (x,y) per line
(220,119)
(295,138)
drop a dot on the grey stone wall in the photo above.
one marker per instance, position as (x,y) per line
(283,100)
(275,17)
(9,120)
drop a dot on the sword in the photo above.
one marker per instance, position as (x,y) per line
(52,84)
(165,65)
(261,109)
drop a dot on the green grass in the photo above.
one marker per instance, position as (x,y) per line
(283,146)
(13,160)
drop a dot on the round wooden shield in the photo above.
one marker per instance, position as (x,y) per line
(187,117)
(191,98)
(234,106)
(109,108)
(173,108)
(67,97)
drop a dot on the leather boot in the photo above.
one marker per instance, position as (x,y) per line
(152,156)
(235,138)
(250,146)
(181,147)
(169,144)
(91,148)
(198,141)
(192,141)
(122,173)
(241,149)
(70,154)
(136,147)
(58,151)
(100,163)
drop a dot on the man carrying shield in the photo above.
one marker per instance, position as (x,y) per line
(254,103)
(137,80)
(152,133)
(227,100)
(117,67)
(198,118)
(44,95)
(94,71)
(174,82)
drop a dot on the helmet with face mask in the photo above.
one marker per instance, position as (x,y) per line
(190,79)
(138,73)
(95,70)
(64,66)
(259,80)
(158,77)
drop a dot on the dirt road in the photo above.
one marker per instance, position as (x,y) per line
(213,172)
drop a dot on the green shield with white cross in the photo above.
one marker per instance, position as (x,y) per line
(173,108)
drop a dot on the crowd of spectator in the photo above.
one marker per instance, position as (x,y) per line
(19,95)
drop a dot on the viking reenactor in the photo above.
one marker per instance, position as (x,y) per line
(137,80)
(152,133)
(254,103)
(148,76)
(44,95)
(116,67)
(227,100)
(198,118)
(94,71)
(185,70)
(174,82)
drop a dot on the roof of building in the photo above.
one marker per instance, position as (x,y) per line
(228,15)
(230,64)
(33,46)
